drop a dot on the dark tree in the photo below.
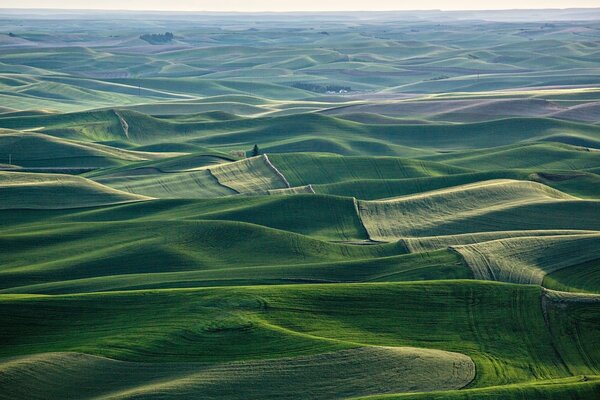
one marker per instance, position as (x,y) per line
(255,151)
(158,38)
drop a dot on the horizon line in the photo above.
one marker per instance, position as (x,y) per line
(50,9)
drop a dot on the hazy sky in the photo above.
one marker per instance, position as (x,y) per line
(296,5)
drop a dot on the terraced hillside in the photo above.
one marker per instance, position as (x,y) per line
(290,206)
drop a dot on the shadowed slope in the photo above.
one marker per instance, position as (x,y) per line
(314,168)
(347,373)
(441,264)
(90,249)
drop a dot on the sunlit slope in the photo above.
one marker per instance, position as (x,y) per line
(265,174)
(529,259)
(36,150)
(497,205)
(347,373)
(428,243)
(292,190)
(53,191)
(500,326)
(250,176)
(192,184)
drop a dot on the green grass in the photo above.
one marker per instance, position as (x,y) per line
(528,259)
(583,278)
(171,164)
(215,179)
(35,150)
(325,217)
(353,372)
(301,132)
(61,251)
(501,327)
(253,175)
(497,205)
(441,264)
(575,388)
(422,220)
(21,190)
(538,156)
(428,243)
(314,169)
(188,185)
(579,184)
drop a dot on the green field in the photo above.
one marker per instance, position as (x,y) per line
(400,205)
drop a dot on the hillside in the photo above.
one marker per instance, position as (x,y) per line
(306,206)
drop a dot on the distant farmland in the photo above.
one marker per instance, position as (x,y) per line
(291,206)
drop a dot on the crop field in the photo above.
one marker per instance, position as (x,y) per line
(399,205)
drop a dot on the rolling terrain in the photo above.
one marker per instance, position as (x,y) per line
(300,206)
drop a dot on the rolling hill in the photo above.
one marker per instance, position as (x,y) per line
(373,205)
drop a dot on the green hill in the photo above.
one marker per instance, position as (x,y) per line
(529,259)
(35,150)
(497,205)
(311,206)
(359,371)
(47,191)
(501,327)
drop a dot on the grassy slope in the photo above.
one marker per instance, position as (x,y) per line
(441,264)
(352,372)
(500,326)
(428,243)
(249,176)
(28,149)
(528,259)
(575,388)
(62,251)
(185,162)
(583,278)
(496,205)
(254,175)
(580,184)
(313,168)
(302,132)
(30,191)
(539,156)
(327,217)
(189,184)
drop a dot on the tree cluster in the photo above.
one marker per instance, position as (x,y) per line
(157,38)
